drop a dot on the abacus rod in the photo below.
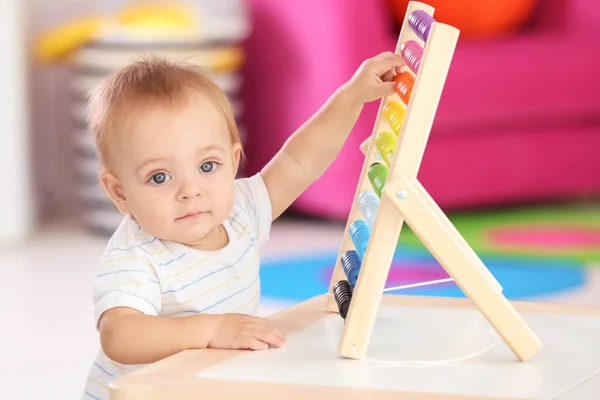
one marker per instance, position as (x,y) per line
(432,226)
(406,33)
(382,242)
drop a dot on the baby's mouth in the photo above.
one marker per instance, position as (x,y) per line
(190,215)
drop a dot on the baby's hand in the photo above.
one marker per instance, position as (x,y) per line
(374,78)
(240,331)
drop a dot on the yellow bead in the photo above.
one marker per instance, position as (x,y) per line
(394,113)
(386,145)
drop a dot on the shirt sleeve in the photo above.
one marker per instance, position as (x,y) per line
(126,277)
(257,204)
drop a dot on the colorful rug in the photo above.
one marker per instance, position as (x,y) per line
(300,277)
(546,232)
(532,252)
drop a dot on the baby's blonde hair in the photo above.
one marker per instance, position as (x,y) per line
(150,81)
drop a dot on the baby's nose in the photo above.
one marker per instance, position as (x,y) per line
(189,190)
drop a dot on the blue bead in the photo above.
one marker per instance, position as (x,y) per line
(351,265)
(360,233)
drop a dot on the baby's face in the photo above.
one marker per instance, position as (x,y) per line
(177,170)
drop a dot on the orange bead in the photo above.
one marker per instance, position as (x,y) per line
(404,85)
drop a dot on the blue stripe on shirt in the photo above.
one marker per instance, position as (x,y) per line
(132,247)
(250,246)
(92,396)
(226,298)
(103,370)
(170,261)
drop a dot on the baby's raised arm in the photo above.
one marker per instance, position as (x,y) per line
(308,153)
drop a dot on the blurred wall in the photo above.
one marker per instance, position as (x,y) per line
(16,201)
(51,123)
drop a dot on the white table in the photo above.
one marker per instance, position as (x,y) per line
(408,328)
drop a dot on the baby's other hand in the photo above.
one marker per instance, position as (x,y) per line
(241,331)
(374,78)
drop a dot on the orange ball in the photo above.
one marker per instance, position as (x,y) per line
(474,18)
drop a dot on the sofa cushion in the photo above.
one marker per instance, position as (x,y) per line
(541,80)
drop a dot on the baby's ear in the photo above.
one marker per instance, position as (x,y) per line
(237,155)
(114,189)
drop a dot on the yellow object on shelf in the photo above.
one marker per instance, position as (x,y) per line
(61,42)
(157,15)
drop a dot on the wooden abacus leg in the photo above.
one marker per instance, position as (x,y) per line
(431,225)
(369,287)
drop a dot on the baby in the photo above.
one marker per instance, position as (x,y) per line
(182,269)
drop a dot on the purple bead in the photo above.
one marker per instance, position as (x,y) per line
(421,23)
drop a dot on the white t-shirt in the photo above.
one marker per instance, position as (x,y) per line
(158,277)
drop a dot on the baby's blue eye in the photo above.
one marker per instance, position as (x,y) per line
(159,178)
(208,166)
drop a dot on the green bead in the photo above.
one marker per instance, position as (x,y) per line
(377,175)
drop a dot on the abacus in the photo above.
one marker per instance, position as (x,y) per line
(388,194)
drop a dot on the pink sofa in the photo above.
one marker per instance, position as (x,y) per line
(518,120)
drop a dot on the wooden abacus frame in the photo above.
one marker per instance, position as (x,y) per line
(405,199)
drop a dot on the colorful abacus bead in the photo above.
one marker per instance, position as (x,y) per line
(412,53)
(386,146)
(360,233)
(394,113)
(421,23)
(342,291)
(404,85)
(369,204)
(351,265)
(377,175)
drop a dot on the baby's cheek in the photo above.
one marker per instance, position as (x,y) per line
(154,210)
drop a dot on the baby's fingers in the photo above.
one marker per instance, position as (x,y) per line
(389,76)
(280,335)
(385,89)
(271,336)
(266,324)
(253,343)
(386,62)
